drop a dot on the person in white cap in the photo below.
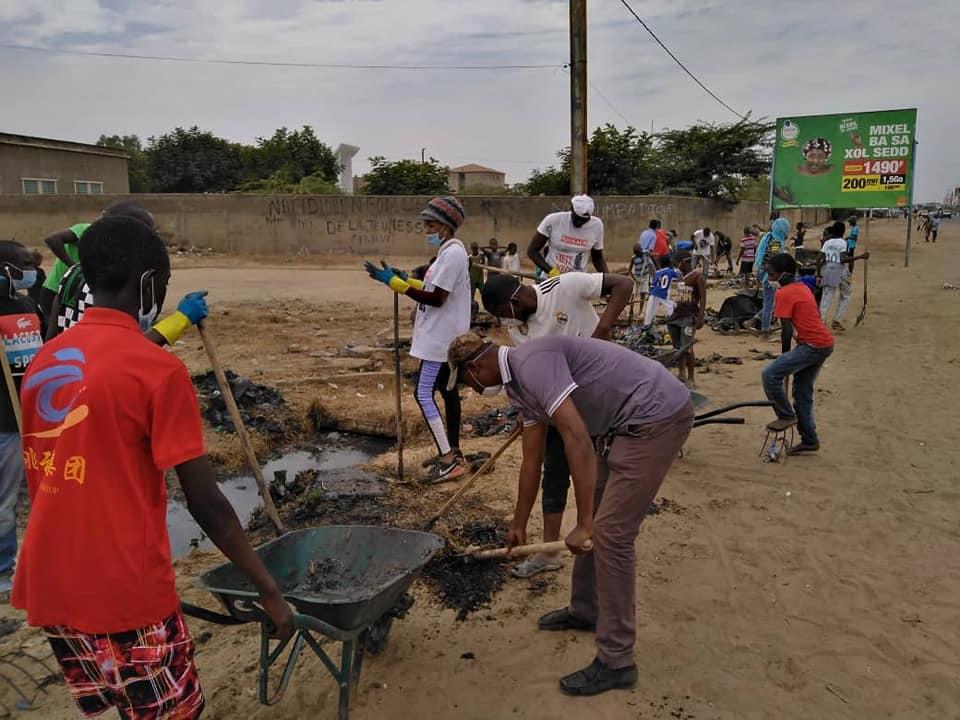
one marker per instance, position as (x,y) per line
(569,237)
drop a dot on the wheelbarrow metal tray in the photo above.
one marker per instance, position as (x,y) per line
(346,576)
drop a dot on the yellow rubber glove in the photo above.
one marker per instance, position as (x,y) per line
(414,283)
(398,285)
(553,272)
(173,326)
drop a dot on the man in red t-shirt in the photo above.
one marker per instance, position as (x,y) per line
(105,412)
(660,246)
(799,316)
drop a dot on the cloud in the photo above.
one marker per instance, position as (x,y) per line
(771,59)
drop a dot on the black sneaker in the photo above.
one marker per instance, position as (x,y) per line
(598,678)
(803,447)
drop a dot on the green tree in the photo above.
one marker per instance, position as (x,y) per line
(704,160)
(406,177)
(192,161)
(280,183)
(295,154)
(138,166)
(618,163)
(713,160)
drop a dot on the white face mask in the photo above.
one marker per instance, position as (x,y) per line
(492,391)
(146,319)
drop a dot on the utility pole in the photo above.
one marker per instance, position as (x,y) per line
(578,96)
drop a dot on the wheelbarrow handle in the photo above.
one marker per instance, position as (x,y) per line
(728,408)
(208,615)
(719,421)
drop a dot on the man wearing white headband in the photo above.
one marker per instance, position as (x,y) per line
(568,237)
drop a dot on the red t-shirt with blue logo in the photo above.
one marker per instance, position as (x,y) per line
(105,413)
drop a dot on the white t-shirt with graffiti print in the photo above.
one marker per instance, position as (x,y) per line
(568,247)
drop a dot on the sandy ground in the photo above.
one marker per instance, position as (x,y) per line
(823,588)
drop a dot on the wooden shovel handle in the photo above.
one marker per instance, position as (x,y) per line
(525,550)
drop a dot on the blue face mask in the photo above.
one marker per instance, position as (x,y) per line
(28,280)
(434,240)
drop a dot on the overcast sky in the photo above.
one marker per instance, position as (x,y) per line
(772,58)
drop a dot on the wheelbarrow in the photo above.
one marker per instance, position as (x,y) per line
(340,579)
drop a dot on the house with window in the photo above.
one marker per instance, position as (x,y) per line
(476,177)
(39,166)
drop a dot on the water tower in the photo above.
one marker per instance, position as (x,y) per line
(345,155)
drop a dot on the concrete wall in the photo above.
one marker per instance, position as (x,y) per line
(372,225)
(64,166)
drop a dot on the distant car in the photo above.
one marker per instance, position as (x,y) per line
(946,213)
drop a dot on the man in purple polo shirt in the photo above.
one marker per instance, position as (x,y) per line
(623,418)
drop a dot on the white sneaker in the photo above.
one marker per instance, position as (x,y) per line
(536,564)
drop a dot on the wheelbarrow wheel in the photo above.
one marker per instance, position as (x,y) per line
(379,633)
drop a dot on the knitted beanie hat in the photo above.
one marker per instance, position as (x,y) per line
(444,210)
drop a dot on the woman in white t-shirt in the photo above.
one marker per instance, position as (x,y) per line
(443,313)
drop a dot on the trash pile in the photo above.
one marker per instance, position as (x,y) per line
(642,340)
(498,421)
(462,583)
(262,408)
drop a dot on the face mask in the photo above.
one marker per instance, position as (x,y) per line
(146,319)
(775,284)
(492,391)
(434,240)
(28,280)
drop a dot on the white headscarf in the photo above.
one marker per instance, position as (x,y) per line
(582,205)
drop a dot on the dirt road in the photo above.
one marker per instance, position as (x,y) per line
(828,587)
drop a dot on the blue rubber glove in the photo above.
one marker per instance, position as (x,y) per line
(194,306)
(402,274)
(384,274)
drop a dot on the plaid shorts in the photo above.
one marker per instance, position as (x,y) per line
(146,674)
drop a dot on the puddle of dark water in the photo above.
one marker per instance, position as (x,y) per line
(337,454)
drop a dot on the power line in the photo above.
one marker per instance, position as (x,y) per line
(607,101)
(677,61)
(267,63)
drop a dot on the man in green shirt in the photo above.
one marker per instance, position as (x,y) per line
(63,244)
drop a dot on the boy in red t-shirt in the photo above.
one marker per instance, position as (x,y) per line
(105,412)
(799,316)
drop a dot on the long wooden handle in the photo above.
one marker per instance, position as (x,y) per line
(11,387)
(515,273)
(234,411)
(398,380)
(525,550)
(473,478)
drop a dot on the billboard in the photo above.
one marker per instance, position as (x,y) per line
(844,161)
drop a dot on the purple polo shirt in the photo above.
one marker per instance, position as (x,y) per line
(610,385)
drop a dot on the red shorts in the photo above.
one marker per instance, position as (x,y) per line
(146,674)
